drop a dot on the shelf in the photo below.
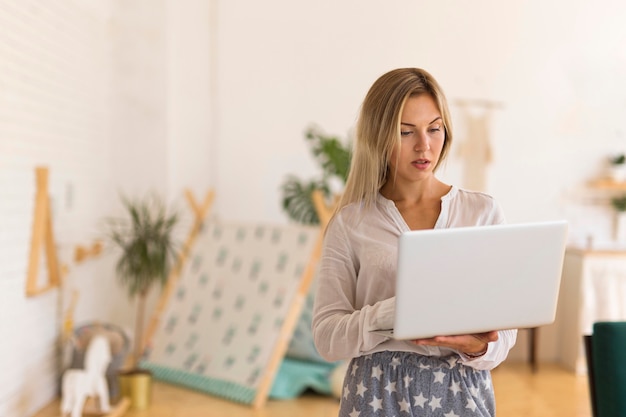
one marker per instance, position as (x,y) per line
(581,251)
(608,184)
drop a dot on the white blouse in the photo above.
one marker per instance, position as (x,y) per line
(356,278)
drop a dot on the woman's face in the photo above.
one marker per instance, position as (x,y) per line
(422,136)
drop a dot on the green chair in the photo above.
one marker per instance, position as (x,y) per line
(606,363)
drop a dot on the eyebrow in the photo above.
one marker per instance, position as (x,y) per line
(433,121)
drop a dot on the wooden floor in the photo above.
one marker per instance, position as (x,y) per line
(550,392)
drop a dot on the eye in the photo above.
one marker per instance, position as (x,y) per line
(435,129)
(404,133)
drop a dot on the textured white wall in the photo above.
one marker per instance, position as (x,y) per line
(55,80)
(113,97)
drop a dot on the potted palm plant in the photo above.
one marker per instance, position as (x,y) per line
(334,160)
(147,253)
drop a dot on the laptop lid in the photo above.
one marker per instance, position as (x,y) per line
(476,279)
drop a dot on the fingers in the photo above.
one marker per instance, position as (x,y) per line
(430,341)
(445,341)
(487,336)
(461,342)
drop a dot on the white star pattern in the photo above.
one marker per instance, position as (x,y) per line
(481,401)
(360,389)
(377,372)
(439,376)
(394,362)
(424,366)
(455,388)
(391,387)
(471,405)
(404,405)
(435,403)
(401,396)
(419,400)
(377,404)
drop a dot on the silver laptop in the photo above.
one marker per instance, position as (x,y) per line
(475,279)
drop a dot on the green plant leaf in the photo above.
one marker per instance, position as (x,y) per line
(297,201)
(144,237)
(619,203)
(330,153)
(619,159)
(333,158)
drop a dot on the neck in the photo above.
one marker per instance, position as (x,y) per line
(417,191)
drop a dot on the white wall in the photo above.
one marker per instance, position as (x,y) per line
(139,95)
(99,92)
(556,67)
(190,40)
(55,80)
(163,94)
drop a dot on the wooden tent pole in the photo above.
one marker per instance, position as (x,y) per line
(324,213)
(200,212)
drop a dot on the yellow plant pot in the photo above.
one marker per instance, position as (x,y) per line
(136,385)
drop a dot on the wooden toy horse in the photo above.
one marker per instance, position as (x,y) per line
(78,384)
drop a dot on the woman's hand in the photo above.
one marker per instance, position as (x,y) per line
(468,343)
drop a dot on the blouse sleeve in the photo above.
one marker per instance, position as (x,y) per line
(496,351)
(340,330)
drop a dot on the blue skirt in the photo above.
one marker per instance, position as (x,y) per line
(408,384)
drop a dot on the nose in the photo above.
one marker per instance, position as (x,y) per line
(422,144)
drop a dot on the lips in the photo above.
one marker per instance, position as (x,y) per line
(420,163)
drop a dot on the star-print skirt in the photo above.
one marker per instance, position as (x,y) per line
(401,384)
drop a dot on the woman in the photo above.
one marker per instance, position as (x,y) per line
(403,135)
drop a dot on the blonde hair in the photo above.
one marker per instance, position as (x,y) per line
(378,130)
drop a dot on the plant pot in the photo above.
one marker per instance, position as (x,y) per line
(619,231)
(136,385)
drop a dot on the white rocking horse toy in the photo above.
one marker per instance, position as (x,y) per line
(78,384)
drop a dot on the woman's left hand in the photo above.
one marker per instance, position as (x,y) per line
(469,343)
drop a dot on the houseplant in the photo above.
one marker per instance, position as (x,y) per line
(147,253)
(333,157)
